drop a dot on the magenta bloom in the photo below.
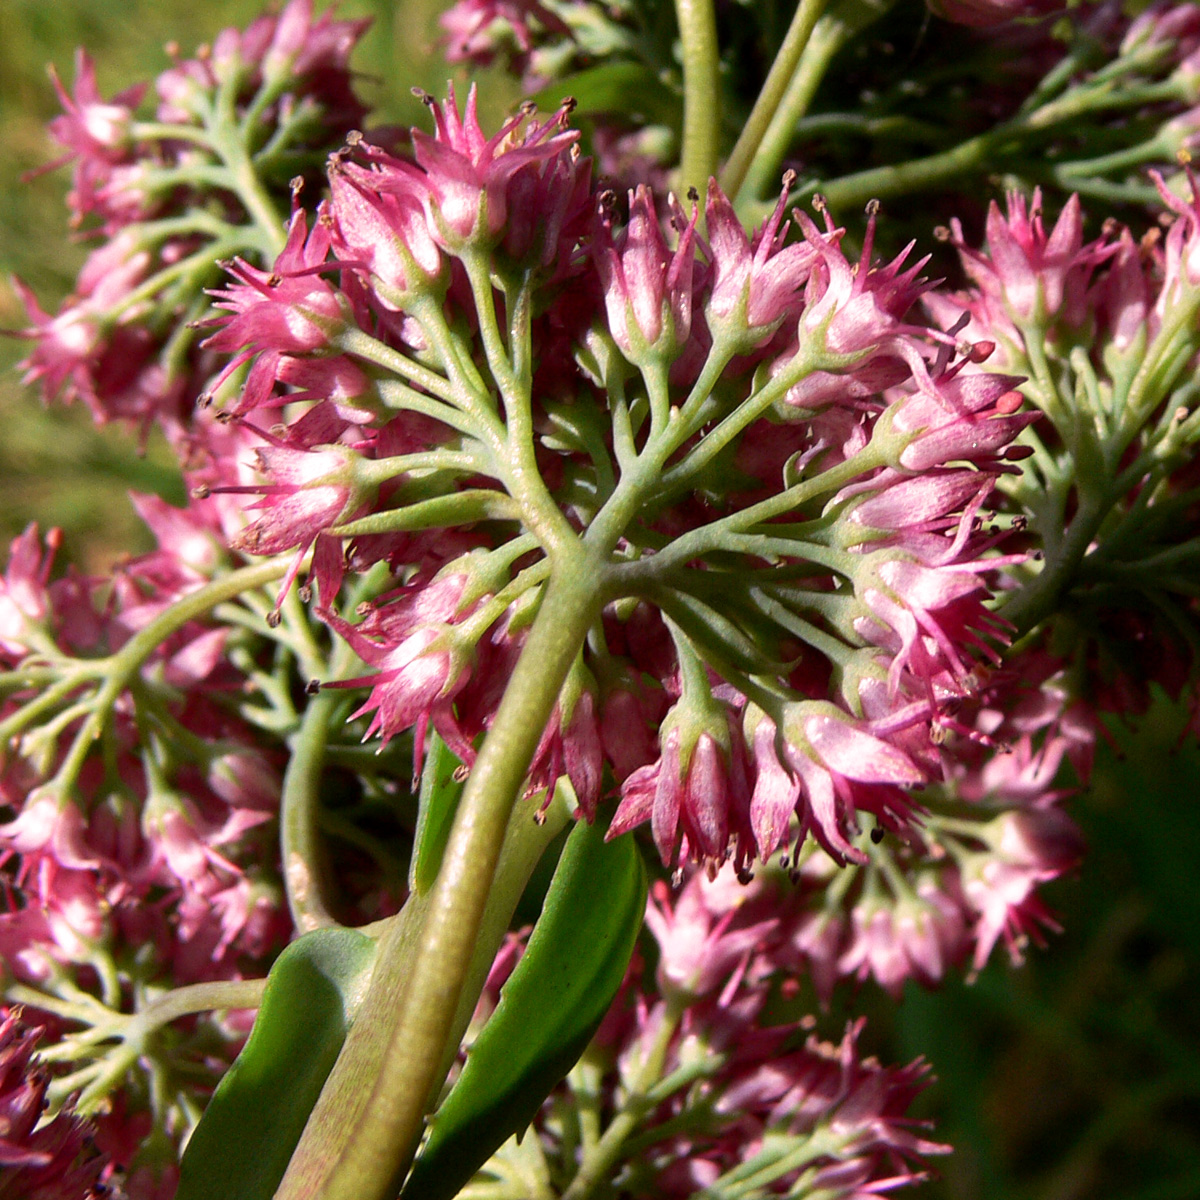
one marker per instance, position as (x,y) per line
(647,289)
(469,177)
(1030,276)
(824,768)
(46,1163)
(700,946)
(756,283)
(471,27)
(701,795)
(421,669)
(1024,850)
(289,309)
(379,220)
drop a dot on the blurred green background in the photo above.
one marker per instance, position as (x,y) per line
(1074,1077)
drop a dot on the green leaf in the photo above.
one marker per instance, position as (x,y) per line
(549,1009)
(242,1145)
(441,790)
(625,87)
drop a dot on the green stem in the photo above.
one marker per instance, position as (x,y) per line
(363,1153)
(1031,604)
(254,197)
(918,175)
(828,36)
(923,174)
(707,538)
(774,89)
(119,668)
(305,870)
(701,92)
(599,1161)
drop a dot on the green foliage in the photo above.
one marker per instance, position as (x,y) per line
(241,1147)
(549,1009)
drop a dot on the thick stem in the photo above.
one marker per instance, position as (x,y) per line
(701,106)
(773,91)
(364,1154)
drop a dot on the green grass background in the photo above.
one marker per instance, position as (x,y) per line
(1076,1077)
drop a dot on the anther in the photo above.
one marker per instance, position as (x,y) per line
(312,687)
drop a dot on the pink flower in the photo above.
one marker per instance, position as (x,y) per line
(97,134)
(302,48)
(1181,271)
(915,937)
(699,791)
(92,347)
(571,748)
(854,311)
(1034,278)
(289,309)
(756,282)
(471,27)
(311,492)
(927,617)
(701,946)
(824,767)
(419,675)
(647,289)
(379,221)
(1023,850)
(24,602)
(962,415)
(91,127)
(627,717)
(468,178)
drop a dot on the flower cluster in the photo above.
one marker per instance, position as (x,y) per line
(150,862)
(755,537)
(170,193)
(715,1094)
(823,384)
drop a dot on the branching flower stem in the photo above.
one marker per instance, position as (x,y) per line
(834,29)
(131,1030)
